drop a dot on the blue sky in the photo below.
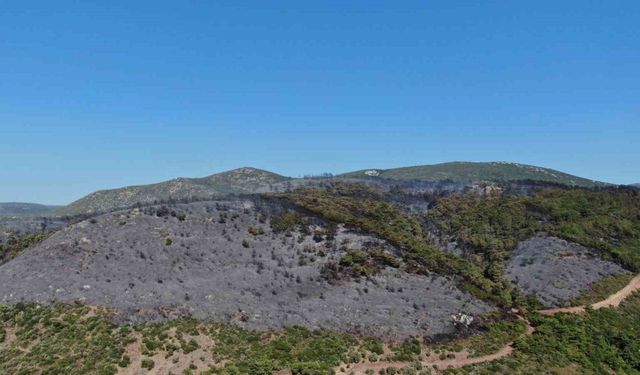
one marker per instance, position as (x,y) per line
(99,96)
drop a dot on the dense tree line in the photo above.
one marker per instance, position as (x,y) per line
(364,209)
(607,220)
(16,243)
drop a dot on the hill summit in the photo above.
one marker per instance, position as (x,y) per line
(247,180)
(237,181)
(475,172)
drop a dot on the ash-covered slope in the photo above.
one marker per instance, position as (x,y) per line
(556,270)
(237,181)
(222,261)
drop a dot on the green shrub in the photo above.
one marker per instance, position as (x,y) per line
(124,362)
(373,345)
(287,222)
(15,244)
(261,366)
(409,350)
(147,364)
(308,368)
(190,346)
(255,231)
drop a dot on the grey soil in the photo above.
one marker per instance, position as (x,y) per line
(143,264)
(556,270)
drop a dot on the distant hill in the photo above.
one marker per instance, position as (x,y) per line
(21,209)
(301,280)
(636,185)
(251,180)
(473,172)
(237,181)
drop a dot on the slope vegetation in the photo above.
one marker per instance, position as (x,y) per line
(463,359)
(20,209)
(235,262)
(475,172)
(308,279)
(237,181)
(251,180)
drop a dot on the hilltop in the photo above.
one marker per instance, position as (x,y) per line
(238,181)
(475,172)
(321,275)
(249,180)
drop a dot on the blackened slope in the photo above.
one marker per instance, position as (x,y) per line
(224,262)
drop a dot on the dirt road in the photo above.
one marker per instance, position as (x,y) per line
(611,301)
(462,359)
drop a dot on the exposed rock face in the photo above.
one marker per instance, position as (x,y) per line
(372,173)
(202,259)
(556,270)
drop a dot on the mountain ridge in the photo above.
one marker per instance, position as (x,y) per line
(235,181)
(462,171)
(24,208)
(343,262)
(249,180)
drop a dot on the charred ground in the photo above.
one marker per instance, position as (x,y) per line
(393,261)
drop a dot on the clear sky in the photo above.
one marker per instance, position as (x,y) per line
(132,92)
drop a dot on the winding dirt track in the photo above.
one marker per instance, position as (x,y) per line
(462,359)
(611,301)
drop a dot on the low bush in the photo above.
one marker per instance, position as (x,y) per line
(367,212)
(288,222)
(16,243)
(147,364)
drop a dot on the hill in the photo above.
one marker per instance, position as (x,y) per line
(232,262)
(313,280)
(20,209)
(237,181)
(475,172)
(251,180)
